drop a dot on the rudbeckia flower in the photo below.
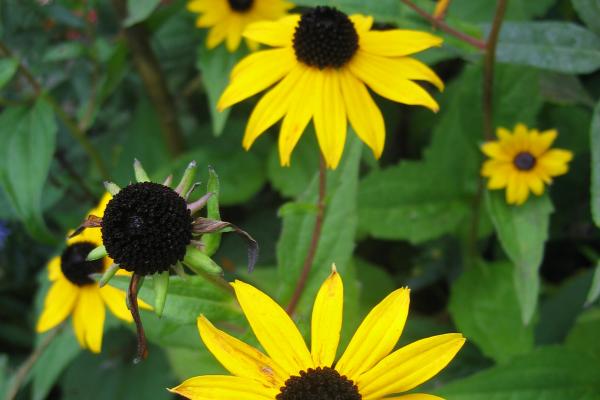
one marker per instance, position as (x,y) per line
(228,18)
(321,66)
(368,369)
(523,161)
(73,292)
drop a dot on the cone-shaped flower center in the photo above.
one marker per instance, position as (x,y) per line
(146,228)
(240,5)
(524,161)
(74,266)
(319,384)
(325,37)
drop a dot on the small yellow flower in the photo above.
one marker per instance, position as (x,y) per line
(320,67)
(368,369)
(440,8)
(228,18)
(73,292)
(523,161)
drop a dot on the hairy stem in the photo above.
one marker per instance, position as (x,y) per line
(25,368)
(314,241)
(441,25)
(149,69)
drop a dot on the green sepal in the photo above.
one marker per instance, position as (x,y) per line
(161,286)
(112,188)
(200,263)
(96,254)
(108,274)
(212,241)
(140,173)
(187,179)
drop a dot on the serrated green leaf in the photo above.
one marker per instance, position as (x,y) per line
(557,46)
(188,298)
(589,12)
(8,67)
(215,66)
(478,297)
(139,10)
(595,165)
(522,231)
(553,373)
(337,237)
(27,143)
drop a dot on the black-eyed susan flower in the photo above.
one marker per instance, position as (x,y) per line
(148,228)
(321,66)
(368,369)
(73,292)
(228,18)
(522,161)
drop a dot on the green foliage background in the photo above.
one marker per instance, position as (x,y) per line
(523,290)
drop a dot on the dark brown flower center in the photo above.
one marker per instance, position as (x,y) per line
(325,38)
(240,5)
(319,384)
(74,266)
(524,161)
(146,228)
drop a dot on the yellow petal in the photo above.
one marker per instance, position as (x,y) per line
(517,190)
(415,396)
(376,336)
(389,84)
(272,106)
(115,300)
(99,209)
(409,366)
(495,150)
(273,33)
(499,179)
(274,329)
(88,318)
(363,113)
(362,23)
(326,321)
(58,304)
(239,358)
(234,34)
(555,161)
(54,270)
(536,184)
(330,117)
(397,42)
(218,387)
(255,73)
(543,141)
(217,34)
(298,116)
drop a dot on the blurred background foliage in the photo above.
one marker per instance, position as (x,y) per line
(520,282)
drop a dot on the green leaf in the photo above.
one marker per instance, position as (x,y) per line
(50,365)
(522,231)
(478,298)
(4,376)
(483,10)
(382,10)
(408,202)
(215,66)
(594,291)
(556,46)
(64,51)
(589,12)
(8,67)
(553,373)
(111,375)
(595,165)
(188,298)
(584,335)
(139,10)
(27,142)
(212,240)
(337,237)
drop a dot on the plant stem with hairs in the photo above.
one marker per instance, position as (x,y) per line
(314,241)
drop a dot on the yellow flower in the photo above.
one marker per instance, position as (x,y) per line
(73,292)
(440,8)
(523,161)
(367,370)
(321,66)
(228,18)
